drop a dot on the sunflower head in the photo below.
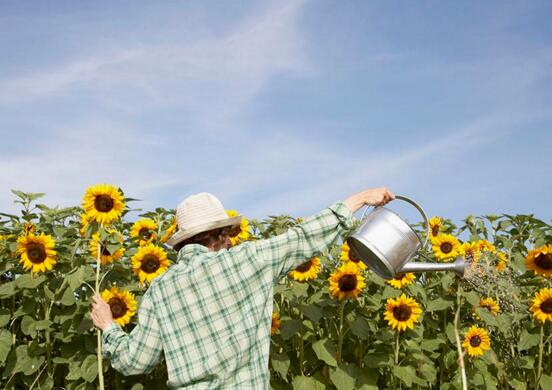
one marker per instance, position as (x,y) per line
(490,304)
(540,260)
(122,304)
(486,246)
(84,224)
(346,281)
(170,231)
(476,341)
(306,271)
(470,251)
(240,233)
(103,203)
(37,252)
(149,262)
(446,247)
(144,231)
(541,305)
(106,256)
(502,262)
(275,323)
(29,227)
(348,254)
(435,226)
(402,279)
(402,312)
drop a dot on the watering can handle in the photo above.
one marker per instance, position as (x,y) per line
(420,209)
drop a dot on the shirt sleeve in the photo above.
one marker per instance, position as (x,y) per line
(288,250)
(139,351)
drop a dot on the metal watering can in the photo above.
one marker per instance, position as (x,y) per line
(386,243)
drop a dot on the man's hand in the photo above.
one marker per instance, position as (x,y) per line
(101,312)
(372,197)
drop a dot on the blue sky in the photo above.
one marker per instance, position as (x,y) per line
(280,107)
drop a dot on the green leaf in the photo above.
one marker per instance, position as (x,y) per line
(28,281)
(405,374)
(367,379)
(527,340)
(280,363)
(545,382)
(5,316)
(377,360)
(28,326)
(302,382)
(486,316)
(450,333)
(344,377)
(89,368)
(438,304)
(290,327)
(299,289)
(7,290)
(5,344)
(360,328)
(325,350)
(313,312)
(472,297)
(431,345)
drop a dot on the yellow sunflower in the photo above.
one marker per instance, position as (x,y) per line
(435,227)
(84,224)
(402,279)
(241,233)
(502,262)
(540,260)
(29,227)
(350,255)
(402,312)
(346,281)
(542,305)
(144,230)
(37,252)
(470,250)
(106,257)
(103,203)
(170,231)
(122,304)
(476,341)
(490,304)
(306,271)
(486,246)
(149,262)
(446,247)
(275,323)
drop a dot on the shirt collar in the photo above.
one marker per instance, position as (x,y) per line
(191,250)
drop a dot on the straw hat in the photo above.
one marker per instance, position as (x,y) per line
(199,213)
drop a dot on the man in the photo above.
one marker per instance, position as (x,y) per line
(211,312)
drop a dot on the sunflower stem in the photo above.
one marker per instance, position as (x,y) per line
(340,340)
(457,337)
(98,332)
(541,348)
(397,345)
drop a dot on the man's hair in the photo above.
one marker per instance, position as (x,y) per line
(207,237)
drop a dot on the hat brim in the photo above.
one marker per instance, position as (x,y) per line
(181,235)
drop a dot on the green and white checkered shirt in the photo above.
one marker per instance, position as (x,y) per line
(211,312)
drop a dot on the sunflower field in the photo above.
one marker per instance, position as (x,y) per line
(335,325)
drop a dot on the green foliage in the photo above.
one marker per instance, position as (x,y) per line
(47,339)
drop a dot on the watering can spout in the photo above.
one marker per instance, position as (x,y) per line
(458,266)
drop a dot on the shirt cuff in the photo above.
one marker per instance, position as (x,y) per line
(344,214)
(108,335)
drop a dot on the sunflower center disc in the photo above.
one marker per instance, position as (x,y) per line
(36,252)
(347,282)
(399,276)
(446,247)
(402,312)
(304,267)
(435,230)
(118,307)
(544,261)
(144,233)
(150,264)
(105,252)
(546,306)
(103,203)
(475,341)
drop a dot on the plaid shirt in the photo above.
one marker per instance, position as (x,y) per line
(211,312)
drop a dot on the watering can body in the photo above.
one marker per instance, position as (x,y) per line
(386,244)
